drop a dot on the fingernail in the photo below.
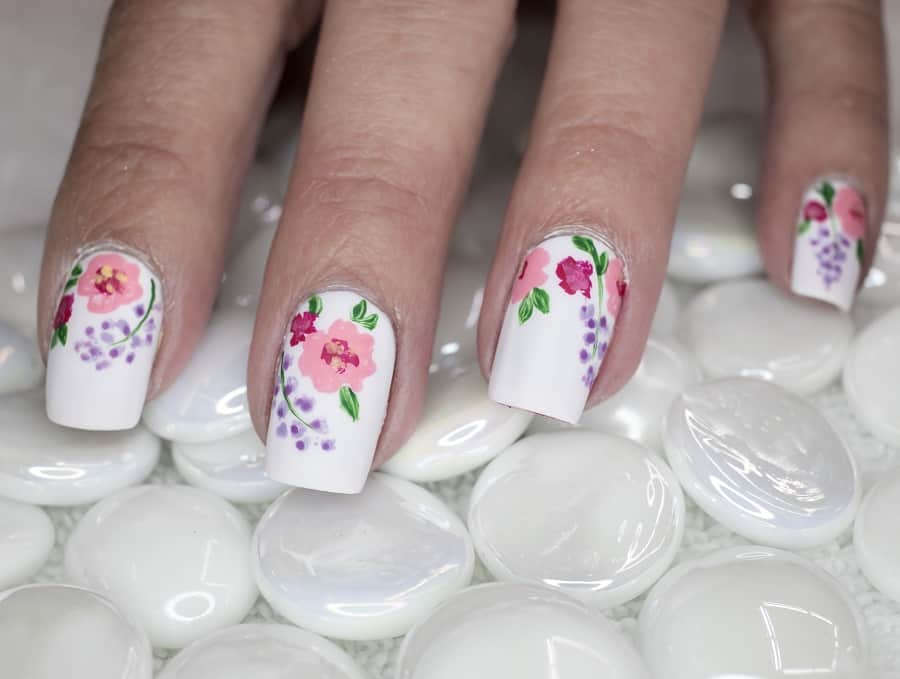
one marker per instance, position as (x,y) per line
(331,393)
(558,325)
(104,338)
(829,251)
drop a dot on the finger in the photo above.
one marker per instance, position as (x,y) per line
(397,102)
(593,206)
(825,169)
(135,243)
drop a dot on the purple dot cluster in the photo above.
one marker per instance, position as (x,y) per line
(596,333)
(288,427)
(832,252)
(104,346)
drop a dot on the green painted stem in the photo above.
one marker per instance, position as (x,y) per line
(140,324)
(288,400)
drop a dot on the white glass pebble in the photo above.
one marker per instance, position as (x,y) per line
(882,284)
(56,631)
(20,269)
(726,154)
(172,557)
(668,312)
(604,539)
(365,566)
(233,468)
(875,535)
(714,237)
(21,367)
(208,399)
(751,328)
(245,269)
(26,538)
(262,651)
(872,377)
(750,611)
(517,630)
(763,462)
(460,428)
(45,464)
(637,410)
(461,296)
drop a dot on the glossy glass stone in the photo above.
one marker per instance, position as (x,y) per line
(262,652)
(172,557)
(882,284)
(45,464)
(208,399)
(55,631)
(460,428)
(233,468)
(763,462)
(751,611)
(751,328)
(364,566)
(456,330)
(875,535)
(20,269)
(872,377)
(517,630)
(26,538)
(604,516)
(21,367)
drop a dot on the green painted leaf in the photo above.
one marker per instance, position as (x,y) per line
(603,264)
(583,243)
(369,322)
(541,300)
(359,311)
(860,250)
(53,339)
(827,191)
(63,333)
(77,271)
(803,227)
(315,305)
(349,402)
(71,283)
(526,308)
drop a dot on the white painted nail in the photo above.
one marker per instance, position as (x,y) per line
(104,339)
(829,250)
(331,393)
(558,325)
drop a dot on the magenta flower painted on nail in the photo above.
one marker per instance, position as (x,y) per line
(614,282)
(850,211)
(302,325)
(340,357)
(575,276)
(531,276)
(63,311)
(814,211)
(109,281)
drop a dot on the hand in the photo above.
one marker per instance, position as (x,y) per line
(341,348)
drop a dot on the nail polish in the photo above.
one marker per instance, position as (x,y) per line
(829,247)
(558,326)
(103,342)
(331,393)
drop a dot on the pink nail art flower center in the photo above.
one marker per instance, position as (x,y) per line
(614,283)
(814,211)
(851,211)
(303,324)
(109,281)
(575,276)
(532,274)
(342,356)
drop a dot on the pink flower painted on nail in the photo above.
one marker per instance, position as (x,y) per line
(851,211)
(614,283)
(63,311)
(302,325)
(340,357)
(814,211)
(575,276)
(109,281)
(531,276)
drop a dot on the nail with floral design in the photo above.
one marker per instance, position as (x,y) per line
(331,392)
(830,245)
(103,342)
(547,362)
